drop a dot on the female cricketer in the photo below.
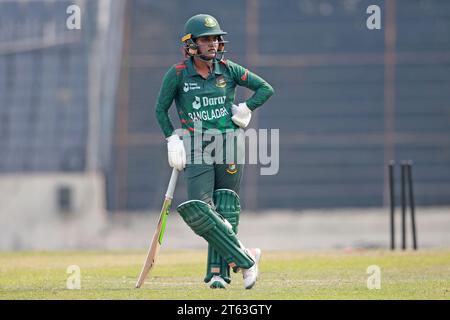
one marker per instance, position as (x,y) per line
(203,87)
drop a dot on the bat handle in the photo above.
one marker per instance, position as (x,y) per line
(172,184)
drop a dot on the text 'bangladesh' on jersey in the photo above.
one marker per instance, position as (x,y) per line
(207,100)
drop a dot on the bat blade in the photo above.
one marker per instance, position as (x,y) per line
(155,244)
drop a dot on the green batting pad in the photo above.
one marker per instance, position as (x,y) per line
(228,205)
(208,224)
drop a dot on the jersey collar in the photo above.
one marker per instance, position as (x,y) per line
(193,72)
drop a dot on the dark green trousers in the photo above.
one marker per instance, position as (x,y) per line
(203,179)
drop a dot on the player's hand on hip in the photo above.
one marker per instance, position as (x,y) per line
(176,153)
(241,114)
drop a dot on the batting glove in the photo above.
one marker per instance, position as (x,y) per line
(176,153)
(241,114)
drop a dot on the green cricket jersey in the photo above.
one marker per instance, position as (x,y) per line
(207,100)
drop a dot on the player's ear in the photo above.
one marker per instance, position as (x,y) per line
(192,47)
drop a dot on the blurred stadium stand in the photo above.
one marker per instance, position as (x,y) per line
(347,99)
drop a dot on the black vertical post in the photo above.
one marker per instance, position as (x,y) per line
(403,196)
(412,205)
(392,202)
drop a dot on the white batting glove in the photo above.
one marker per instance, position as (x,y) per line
(176,153)
(241,114)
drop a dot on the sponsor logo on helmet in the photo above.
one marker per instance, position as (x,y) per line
(210,22)
(186,37)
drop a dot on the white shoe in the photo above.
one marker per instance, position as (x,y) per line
(251,275)
(217,282)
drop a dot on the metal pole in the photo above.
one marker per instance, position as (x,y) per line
(412,205)
(251,55)
(403,169)
(390,61)
(392,202)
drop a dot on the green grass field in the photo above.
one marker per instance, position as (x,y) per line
(179,275)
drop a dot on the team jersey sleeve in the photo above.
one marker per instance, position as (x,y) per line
(243,77)
(165,98)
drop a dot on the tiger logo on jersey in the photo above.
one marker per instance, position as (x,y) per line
(221,82)
(232,168)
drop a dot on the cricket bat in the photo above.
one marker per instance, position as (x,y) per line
(159,233)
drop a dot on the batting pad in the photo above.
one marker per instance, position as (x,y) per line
(228,205)
(208,224)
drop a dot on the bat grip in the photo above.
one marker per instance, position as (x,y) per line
(172,184)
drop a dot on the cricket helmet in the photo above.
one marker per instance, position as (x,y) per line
(202,25)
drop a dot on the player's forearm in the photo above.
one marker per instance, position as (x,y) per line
(244,77)
(263,91)
(164,121)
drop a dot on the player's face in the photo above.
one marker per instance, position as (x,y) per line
(208,46)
